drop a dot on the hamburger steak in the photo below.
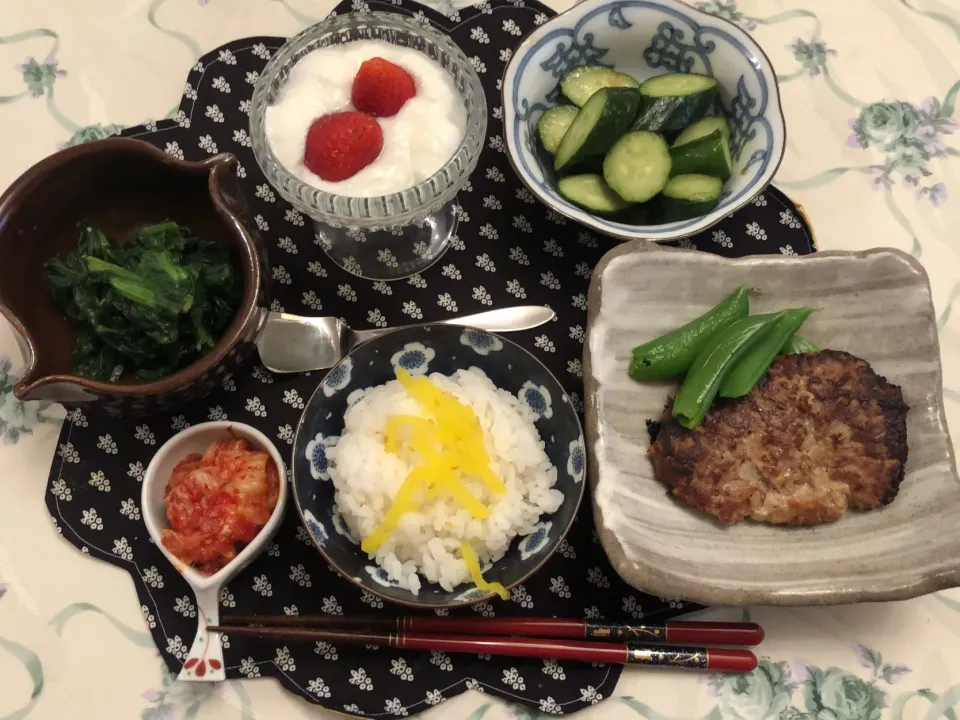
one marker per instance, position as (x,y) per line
(821,432)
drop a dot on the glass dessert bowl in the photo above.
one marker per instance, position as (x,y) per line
(396,234)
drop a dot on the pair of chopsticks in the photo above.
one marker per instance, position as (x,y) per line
(546,638)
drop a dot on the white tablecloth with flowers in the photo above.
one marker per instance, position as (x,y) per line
(869,89)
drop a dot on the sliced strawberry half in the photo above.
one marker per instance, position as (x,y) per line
(342,144)
(381,88)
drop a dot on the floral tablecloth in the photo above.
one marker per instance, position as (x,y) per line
(869,89)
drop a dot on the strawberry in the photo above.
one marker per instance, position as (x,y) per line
(381,88)
(342,144)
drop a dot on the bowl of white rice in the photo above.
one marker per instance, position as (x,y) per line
(347,475)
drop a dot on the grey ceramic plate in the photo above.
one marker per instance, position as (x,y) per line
(876,305)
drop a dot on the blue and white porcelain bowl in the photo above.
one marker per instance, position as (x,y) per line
(424,350)
(644,38)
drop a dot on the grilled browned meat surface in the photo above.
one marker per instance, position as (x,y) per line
(820,433)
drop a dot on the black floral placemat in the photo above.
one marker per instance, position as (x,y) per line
(510,250)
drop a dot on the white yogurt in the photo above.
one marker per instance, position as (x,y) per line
(417,141)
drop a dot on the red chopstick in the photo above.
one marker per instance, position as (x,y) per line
(682,632)
(718,659)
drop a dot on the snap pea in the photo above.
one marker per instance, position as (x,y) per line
(712,364)
(796,345)
(671,355)
(741,378)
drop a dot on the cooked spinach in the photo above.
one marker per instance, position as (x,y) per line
(146,308)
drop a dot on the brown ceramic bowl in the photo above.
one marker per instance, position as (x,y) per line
(120,184)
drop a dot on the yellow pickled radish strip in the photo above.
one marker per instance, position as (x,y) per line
(458,425)
(427,450)
(453,485)
(473,567)
(373,541)
(397,422)
(449,434)
(434,400)
(396,426)
(477,462)
(461,417)
(450,444)
(425,393)
(402,503)
(393,431)
(495,484)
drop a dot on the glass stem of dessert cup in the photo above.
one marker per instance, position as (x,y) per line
(390,253)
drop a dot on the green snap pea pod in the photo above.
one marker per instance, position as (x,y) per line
(797,344)
(671,355)
(714,362)
(750,368)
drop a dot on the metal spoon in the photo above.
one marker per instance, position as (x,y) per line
(293,343)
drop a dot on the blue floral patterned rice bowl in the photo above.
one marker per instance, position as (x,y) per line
(644,38)
(422,351)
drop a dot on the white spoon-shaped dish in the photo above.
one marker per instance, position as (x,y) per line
(204,662)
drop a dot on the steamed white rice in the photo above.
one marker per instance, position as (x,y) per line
(427,542)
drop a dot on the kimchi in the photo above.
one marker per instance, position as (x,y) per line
(218,502)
